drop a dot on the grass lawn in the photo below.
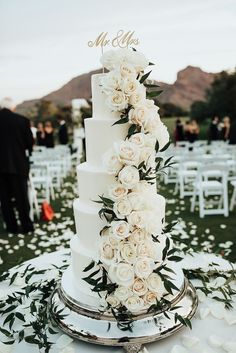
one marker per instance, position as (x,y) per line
(213,233)
(170,123)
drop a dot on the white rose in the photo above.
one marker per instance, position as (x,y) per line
(138,98)
(109,59)
(144,267)
(151,124)
(138,139)
(130,86)
(150,141)
(150,104)
(122,293)
(134,303)
(145,249)
(137,219)
(162,135)
(111,82)
(139,287)
(114,241)
(155,284)
(120,229)
(122,274)
(127,152)
(147,155)
(128,252)
(139,115)
(113,301)
(137,201)
(117,101)
(150,298)
(138,236)
(111,162)
(117,191)
(122,208)
(129,176)
(108,254)
(127,70)
(139,61)
(153,224)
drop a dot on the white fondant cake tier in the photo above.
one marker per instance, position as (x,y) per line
(88,223)
(100,137)
(100,108)
(92,181)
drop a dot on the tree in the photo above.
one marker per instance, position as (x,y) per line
(170,109)
(199,111)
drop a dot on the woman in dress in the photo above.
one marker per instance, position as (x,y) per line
(40,135)
(179,131)
(194,131)
(225,128)
(49,138)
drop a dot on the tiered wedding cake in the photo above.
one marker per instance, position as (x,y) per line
(122,258)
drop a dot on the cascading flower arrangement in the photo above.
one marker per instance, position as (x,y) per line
(133,248)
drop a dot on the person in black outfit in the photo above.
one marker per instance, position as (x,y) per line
(179,131)
(214,132)
(15,140)
(40,135)
(49,138)
(62,132)
(232,133)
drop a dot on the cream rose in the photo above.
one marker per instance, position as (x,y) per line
(129,177)
(144,267)
(129,86)
(117,101)
(122,208)
(138,236)
(150,298)
(139,115)
(122,293)
(128,252)
(155,284)
(138,98)
(127,152)
(117,191)
(150,141)
(113,301)
(108,254)
(147,155)
(145,249)
(162,135)
(138,139)
(122,274)
(111,162)
(127,70)
(120,229)
(137,219)
(134,303)
(139,287)
(139,61)
(111,82)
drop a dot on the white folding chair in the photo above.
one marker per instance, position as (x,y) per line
(187,175)
(208,183)
(33,200)
(233,197)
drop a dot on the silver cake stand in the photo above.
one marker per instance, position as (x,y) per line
(88,324)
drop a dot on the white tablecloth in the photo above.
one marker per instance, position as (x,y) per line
(217,323)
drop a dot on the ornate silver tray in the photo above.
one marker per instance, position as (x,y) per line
(91,325)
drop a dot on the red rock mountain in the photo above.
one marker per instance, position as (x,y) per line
(191,85)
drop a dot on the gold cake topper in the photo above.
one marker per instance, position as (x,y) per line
(122,39)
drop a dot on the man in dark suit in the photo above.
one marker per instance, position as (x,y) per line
(16,141)
(62,133)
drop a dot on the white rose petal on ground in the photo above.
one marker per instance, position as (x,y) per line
(229,346)
(190,341)
(215,341)
(63,341)
(178,349)
(204,312)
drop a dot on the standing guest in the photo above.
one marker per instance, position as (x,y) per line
(33,130)
(62,133)
(214,132)
(15,141)
(40,135)
(49,138)
(187,130)
(225,128)
(232,133)
(194,131)
(179,131)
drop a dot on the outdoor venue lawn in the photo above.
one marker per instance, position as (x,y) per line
(213,233)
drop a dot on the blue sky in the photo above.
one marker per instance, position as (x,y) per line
(43,43)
